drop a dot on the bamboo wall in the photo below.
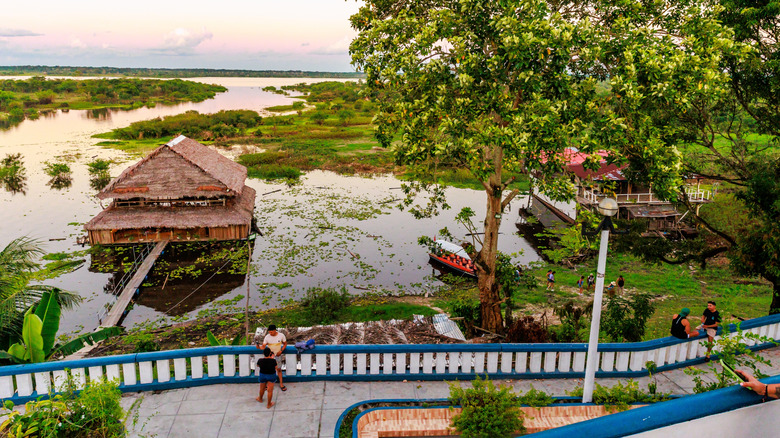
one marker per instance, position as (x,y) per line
(114,237)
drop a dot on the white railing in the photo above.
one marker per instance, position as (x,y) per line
(199,366)
(698,195)
(694,195)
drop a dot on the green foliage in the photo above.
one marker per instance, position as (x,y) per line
(625,318)
(146,346)
(535,398)
(18,269)
(13,173)
(574,322)
(318,117)
(24,98)
(95,411)
(531,90)
(83,340)
(193,125)
(60,174)
(465,309)
(734,351)
(487,411)
(323,305)
(98,173)
(49,312)
(620,396)
(39,333)
(214,342)
(30,347)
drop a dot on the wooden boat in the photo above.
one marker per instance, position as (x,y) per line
(454,258)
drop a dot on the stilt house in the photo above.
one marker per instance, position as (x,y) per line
(634,201)
(182,191)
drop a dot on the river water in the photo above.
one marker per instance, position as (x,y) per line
(328,231)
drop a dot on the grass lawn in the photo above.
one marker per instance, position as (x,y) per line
(673,286)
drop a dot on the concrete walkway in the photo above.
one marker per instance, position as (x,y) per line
(311,409)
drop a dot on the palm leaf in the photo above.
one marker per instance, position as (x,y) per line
(21,300)
(82,341)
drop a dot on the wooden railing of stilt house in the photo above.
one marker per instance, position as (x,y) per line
(216,365)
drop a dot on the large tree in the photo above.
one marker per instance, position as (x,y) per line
(719,129)
(498,87)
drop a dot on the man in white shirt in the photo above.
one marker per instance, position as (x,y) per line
(277,342)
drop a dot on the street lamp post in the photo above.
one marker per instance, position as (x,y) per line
(608,207)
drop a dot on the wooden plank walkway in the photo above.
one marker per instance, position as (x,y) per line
(116,312)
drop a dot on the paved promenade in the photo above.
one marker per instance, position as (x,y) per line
(311,409)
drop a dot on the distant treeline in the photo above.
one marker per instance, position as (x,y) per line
(20,99)
(168,72)
(192,124)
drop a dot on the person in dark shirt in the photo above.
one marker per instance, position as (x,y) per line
(681,328)
(267,367)
(709,323)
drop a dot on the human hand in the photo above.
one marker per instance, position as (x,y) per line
(751,382)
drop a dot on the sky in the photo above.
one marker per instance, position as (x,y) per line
(312,35)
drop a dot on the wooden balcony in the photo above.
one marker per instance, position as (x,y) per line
(593,196)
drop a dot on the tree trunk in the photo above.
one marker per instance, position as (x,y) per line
(489,299)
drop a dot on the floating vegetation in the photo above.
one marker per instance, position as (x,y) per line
(317,231)
(60,174)
(13,174)
(98,173)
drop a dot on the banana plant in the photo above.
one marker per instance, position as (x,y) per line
(30,348)
(214,342)
(39,333)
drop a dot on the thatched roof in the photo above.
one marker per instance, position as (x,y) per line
(122,218)
(182,168)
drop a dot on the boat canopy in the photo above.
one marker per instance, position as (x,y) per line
(453,248)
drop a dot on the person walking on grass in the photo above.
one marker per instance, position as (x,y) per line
(277,342)
(620,283)
(709,323)
(581,282)
(267,367)
(551,280)
(591,282)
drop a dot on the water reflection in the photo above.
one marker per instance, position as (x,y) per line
(13,175)
(99,113)
(98,174)
(60,175)
(184,278)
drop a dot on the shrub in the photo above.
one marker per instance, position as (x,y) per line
(488,412)
(535,398)
(625,319)
(619,397)
(94,412)
(323,305)
(468,309)
(573,327)
(268,157)
(146,346)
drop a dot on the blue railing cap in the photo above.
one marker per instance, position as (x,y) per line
(369,349)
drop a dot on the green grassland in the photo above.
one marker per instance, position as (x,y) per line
(334,132)
(672,286)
